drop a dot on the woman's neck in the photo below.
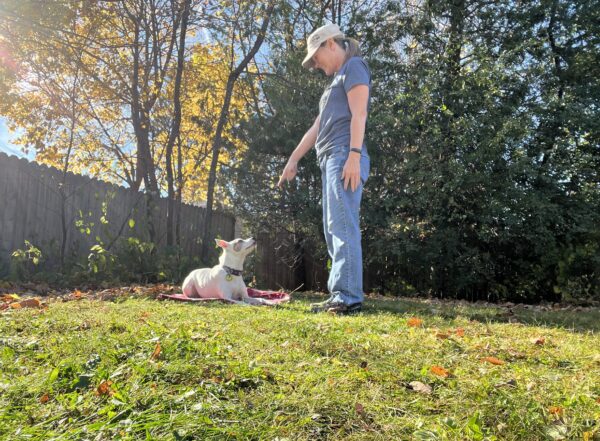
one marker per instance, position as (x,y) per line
(341,60)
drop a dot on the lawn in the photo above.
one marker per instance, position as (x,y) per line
(130,367)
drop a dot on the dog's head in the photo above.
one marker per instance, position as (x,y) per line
(237,247)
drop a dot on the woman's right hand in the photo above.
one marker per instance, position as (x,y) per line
(289,172)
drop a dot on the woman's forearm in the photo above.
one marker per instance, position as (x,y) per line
(357,130)
(306,143)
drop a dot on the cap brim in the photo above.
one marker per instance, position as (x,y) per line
(307,63)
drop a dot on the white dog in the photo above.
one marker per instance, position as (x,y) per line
(224,280)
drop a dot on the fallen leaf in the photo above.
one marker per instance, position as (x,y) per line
(460,332)
(538,341)
(494,360)
(414,322)
(555,410)
(9,297)
(439,371)
(77,294)
(27,303)
(442,335)
(104,388)
(156,352)
(44,398)
(359,409)
(423,388)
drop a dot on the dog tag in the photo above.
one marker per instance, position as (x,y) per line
(229,277)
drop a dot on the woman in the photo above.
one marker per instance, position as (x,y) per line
(338,135)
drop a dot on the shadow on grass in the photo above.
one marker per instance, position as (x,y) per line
(571,319)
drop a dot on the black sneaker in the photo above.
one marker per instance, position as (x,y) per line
(336,307)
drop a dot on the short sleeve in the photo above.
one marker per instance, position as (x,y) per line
(356,73)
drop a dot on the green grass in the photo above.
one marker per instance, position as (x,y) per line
(229,372)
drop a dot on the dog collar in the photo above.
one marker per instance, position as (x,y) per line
(232,272)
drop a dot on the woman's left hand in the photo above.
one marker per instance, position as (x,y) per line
(351,171)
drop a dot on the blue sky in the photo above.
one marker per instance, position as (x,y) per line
(5,145)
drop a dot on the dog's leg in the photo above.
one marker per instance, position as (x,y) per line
(255,301)
(230,299)
(189,288)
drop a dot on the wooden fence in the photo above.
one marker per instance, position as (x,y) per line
(31,208)
(280,263)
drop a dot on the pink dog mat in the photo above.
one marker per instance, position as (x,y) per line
(274,296)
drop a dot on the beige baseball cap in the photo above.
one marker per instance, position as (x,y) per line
(314,41)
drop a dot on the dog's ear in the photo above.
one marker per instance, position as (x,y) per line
(222,243)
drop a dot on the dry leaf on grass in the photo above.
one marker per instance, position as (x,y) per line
(9,297)
(556,410)
(104,388)
(44,398)
(26,303)
(417,386)
(494,360)
(156,352)
(538,341)
(414,322)
(460,332)
(442,335)
(439,371)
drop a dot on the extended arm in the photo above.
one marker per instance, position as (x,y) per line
(308,141)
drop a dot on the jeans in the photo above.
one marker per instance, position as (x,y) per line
(341,225)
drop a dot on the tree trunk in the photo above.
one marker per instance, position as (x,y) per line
(233,76)
(176,123)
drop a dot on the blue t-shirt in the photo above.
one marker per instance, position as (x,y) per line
(334,111)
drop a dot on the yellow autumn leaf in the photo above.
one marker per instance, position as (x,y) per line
(555,410)
(414,322)
(439,371)
(156,352)
(494,360)
(104,388)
